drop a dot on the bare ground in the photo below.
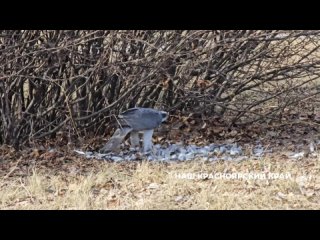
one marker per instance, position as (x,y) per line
(62,182)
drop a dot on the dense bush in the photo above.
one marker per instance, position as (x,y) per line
(76,81)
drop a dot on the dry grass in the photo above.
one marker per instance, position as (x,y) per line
(148,185)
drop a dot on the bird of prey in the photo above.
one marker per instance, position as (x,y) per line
(137,120)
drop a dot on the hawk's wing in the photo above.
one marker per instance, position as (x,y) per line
(130,117)
(140,118)
(129,113)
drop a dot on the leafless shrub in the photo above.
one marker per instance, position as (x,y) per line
(76,81)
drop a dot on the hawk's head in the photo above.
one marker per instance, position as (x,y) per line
(164,116)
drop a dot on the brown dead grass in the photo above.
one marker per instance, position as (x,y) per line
(149,185)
